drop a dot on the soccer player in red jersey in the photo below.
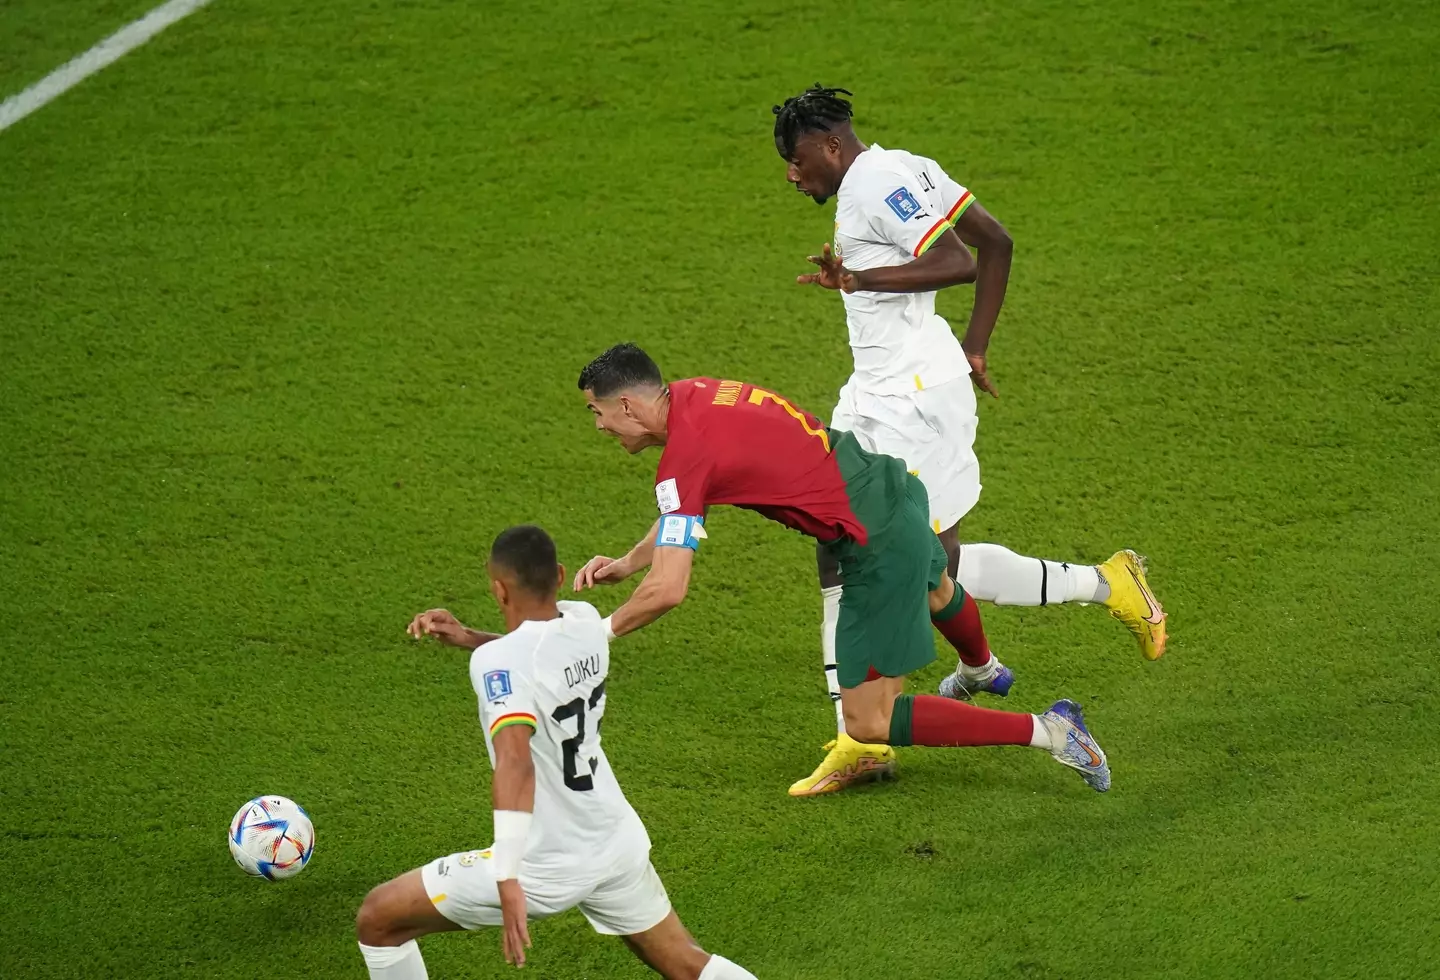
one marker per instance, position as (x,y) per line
(728,442)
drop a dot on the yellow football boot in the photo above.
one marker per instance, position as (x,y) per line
(1132,602)
(849,762)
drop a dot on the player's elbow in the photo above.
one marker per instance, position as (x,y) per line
(671,594)
(969,273)
(671,597)
(964,268)
(997,240)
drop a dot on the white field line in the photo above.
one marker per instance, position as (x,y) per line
(77,69)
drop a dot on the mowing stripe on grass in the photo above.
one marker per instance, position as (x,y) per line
(77,69)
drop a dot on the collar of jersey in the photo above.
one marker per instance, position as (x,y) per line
(854,163)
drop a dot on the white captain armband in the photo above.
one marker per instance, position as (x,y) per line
(680,531)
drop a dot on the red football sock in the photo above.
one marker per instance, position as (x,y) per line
(961,626)
(941,721)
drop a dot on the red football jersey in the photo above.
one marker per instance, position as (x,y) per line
(732,443)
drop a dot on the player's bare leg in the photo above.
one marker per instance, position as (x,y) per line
(390,919)
(670,950)
(869,707)
(847,761)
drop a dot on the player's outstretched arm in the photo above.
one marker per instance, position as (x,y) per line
(513,794)
(664,588)
(607,571)
(946,263)
(978,228)
(442,624)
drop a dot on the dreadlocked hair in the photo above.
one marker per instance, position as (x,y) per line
(814,110)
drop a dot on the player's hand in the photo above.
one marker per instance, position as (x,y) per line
(979,375)
(600,571)
(514,927)
(832,274)
(439,623)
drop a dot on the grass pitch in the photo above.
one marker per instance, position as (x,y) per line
(292,301)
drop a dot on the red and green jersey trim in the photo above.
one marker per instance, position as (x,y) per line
(513,718)
(961,206)
(932,236)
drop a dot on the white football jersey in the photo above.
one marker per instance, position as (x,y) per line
(551,674)
(892,206)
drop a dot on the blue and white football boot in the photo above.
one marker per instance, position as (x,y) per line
(1072,744)
(994,678)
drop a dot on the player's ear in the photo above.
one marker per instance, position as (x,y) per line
(559,577)
(499,590)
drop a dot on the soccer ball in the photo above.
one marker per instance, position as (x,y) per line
(272,837)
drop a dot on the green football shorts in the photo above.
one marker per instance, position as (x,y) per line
(885,607)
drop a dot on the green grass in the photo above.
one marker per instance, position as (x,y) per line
(37,36)
(292,301)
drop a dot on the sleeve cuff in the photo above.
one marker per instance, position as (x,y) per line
(961,206)
(512,718)
(932,236)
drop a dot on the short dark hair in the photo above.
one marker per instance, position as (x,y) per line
(528,553)
(622,366)
(817,109)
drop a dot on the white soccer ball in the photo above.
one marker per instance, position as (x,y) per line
(272,837)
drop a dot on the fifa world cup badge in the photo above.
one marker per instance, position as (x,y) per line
(497,685)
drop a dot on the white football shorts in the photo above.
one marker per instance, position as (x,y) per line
(625,899)
(932,430)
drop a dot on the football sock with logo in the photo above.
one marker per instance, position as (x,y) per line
(925,719)
(996,574)
(402,962)
(719,968)
(959,623)
(831,598)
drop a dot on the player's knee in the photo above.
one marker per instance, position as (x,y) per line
(940,598)
(372,924)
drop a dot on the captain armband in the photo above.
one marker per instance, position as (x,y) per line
(680,531)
